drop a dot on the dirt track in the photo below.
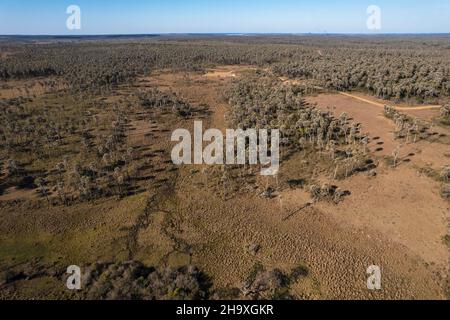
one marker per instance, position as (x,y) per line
(330,240)
(430,107)
(395,220)
(401,203)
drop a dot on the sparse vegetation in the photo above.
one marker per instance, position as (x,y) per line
(157,99)
(264,102)
(271,284)
(445,191)
(447,240)
(408,128)
(328,193)
(445,115)
(86,171)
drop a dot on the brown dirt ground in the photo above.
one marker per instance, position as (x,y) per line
(401,203)
(395,220)
(336,243)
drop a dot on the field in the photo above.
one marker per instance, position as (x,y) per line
(87,177)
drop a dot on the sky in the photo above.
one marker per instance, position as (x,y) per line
(46,17)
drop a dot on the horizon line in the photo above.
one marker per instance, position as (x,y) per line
(222,33)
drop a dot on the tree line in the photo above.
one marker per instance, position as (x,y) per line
(402,68)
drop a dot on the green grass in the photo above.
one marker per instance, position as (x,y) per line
(82,233)
(22,249)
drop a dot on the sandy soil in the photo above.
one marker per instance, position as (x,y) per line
(387,221)
(382,103)
(378,126)
(400,203)
(395,220)
(226,72)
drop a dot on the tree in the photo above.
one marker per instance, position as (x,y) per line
(40,183)
(12,167)
(445,111)
(445,173)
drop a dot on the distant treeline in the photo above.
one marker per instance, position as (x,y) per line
(401,68)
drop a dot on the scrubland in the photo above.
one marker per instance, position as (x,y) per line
(87,177)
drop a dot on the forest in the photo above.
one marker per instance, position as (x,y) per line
(389,68)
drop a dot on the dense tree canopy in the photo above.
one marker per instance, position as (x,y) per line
(398,68)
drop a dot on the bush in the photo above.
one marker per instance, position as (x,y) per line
(445,173)
(445,111)
(447,240)
(133,280)
(328,193)
(271,284)
(445,191)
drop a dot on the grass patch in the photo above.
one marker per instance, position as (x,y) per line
(80,234)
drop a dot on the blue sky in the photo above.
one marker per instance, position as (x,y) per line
(223,16)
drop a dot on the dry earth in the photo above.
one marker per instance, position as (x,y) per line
(395,220)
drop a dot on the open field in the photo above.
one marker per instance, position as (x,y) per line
(88,179)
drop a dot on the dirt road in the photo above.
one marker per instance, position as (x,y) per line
(379,104)
(400,202)
(329,240)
